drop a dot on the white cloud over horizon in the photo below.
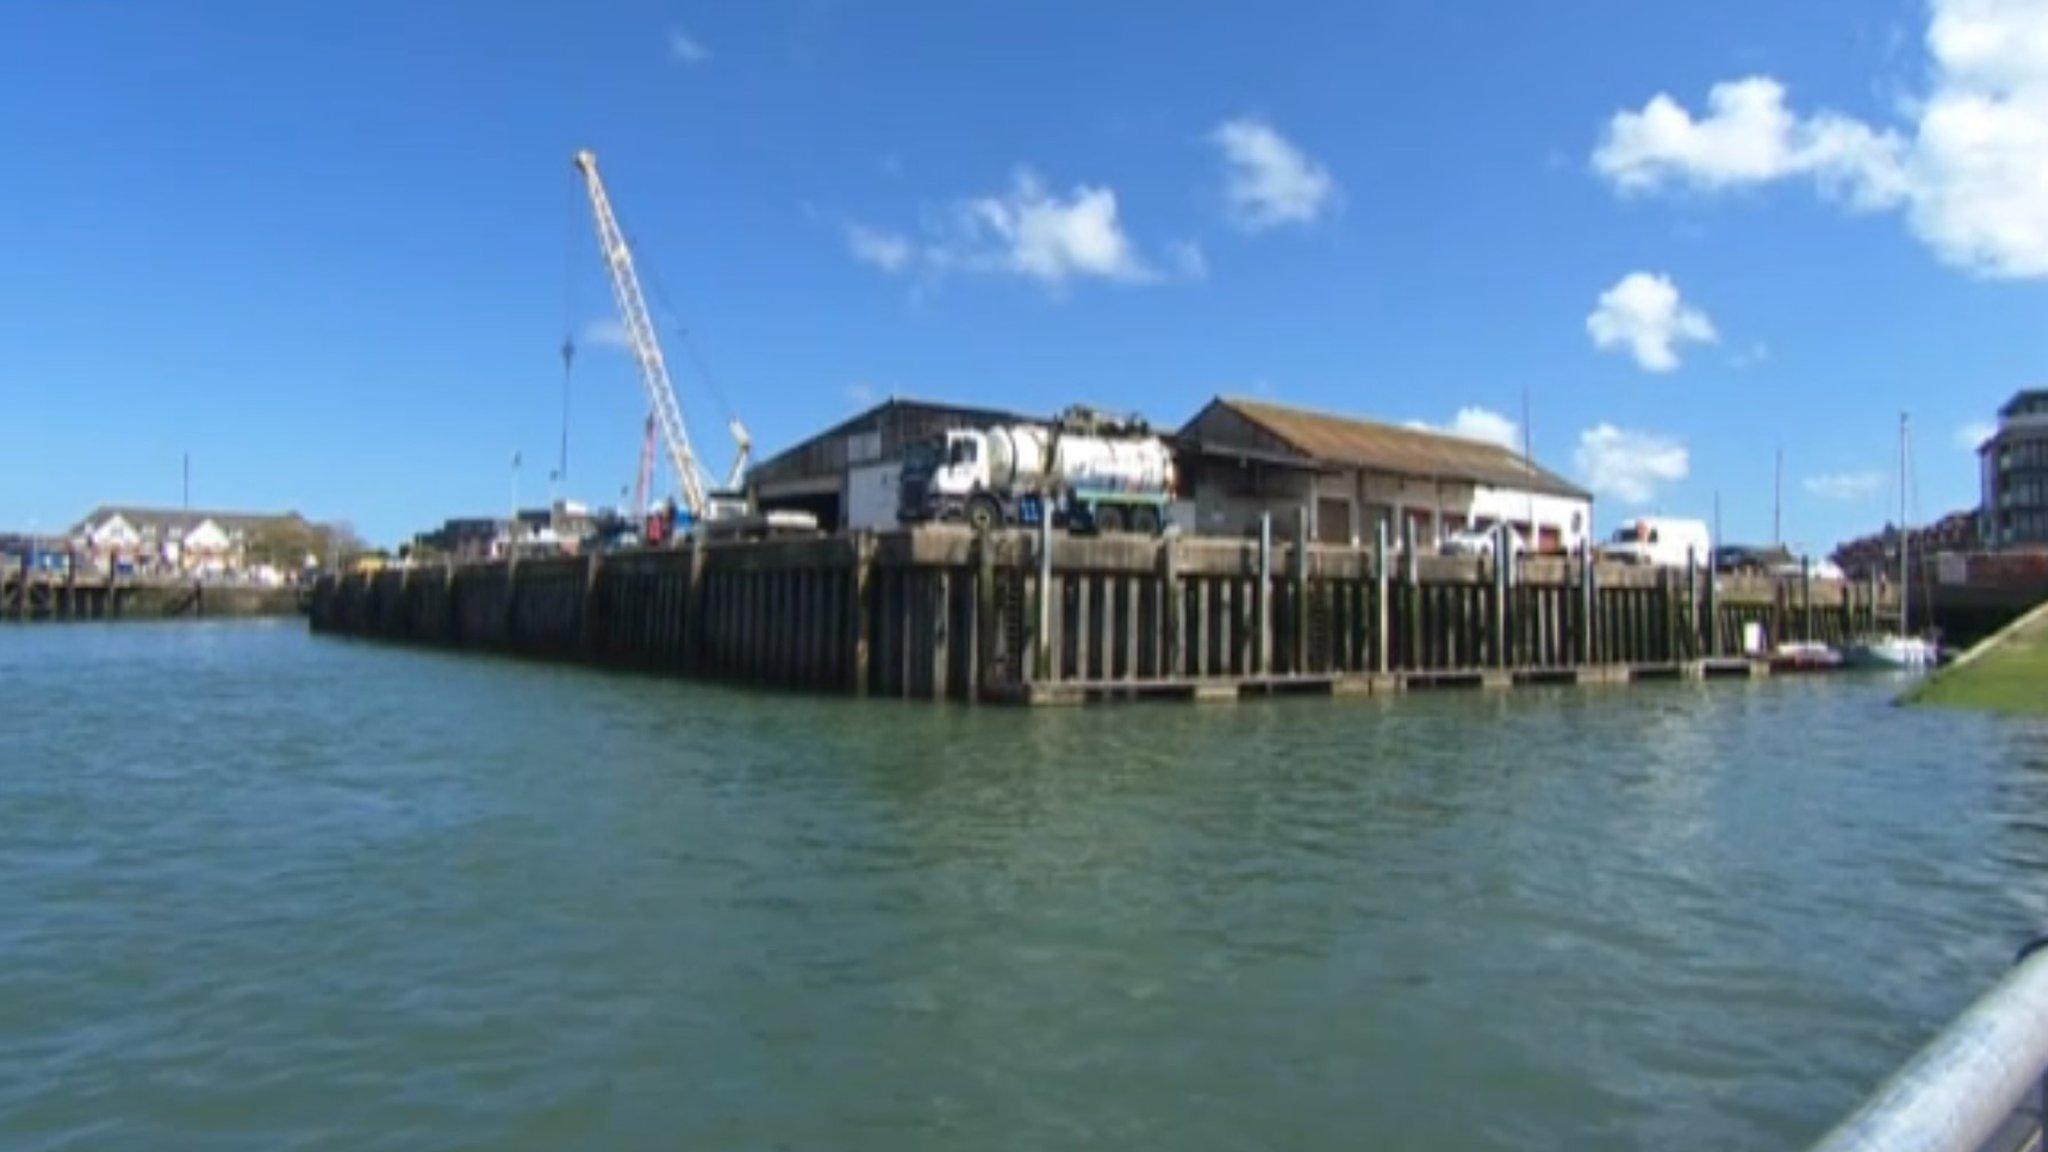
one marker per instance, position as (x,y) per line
(1845,486)
(1969,169)
(1269,181)
(1644,315)
(1629,466)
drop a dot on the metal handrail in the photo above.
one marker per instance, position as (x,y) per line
(1972,1085)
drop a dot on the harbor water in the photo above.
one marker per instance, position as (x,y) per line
(264,890)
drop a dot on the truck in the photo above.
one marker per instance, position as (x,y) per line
(1660,541)
(1087,471)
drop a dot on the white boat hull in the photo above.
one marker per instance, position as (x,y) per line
(1908,653)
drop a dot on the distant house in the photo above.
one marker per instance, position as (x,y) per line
(185,540)
(1240,458)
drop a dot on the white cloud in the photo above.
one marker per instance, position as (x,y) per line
(1270,181)
(1748,136)
(885,250)
(1031,232)
(860,394)
(1972,436)
(686,49)
(1627,465)
(1644,314)
(1845,485)
(1481,424)
(1034,233)
(1970,171)
(1751,356)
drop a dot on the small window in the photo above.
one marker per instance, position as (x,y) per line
(964,452)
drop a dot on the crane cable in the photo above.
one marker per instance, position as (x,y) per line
(681,331)
(568,325)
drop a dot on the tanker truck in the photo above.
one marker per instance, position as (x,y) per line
(1089,472)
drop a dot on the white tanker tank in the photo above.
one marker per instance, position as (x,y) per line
(1086,472)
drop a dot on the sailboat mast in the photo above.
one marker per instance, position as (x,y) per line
(1905,532)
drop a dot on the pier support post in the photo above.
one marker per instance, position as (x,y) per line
(860,614)
(1588,598)
(1806,598)
(1411,598)
(1380,638)
(1503,562)
(1042,648)
(982,625)
(1263,603)
(1713,629)
(1171,615)
(1299,601)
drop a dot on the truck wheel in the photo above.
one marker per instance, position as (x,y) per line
(1145,521)
(1109,518)
(984,514)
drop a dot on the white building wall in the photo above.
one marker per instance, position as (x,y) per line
(1570,518)
(872,496)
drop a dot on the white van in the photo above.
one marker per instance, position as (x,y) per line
(1660,541)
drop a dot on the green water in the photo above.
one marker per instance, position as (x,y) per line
(260,890)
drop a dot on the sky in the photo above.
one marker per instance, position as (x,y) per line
(332,251)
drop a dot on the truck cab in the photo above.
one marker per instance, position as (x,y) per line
(942,474)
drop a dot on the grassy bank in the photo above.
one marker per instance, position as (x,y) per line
(2008,673)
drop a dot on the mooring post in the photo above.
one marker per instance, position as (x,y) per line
(1263,602)
(1299,605)
(1380,639)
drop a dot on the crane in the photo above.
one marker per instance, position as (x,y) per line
(661,394)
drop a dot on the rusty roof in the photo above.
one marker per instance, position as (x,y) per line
(1346,441)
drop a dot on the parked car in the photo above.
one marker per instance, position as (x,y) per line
(1659,541)
(1751,559)
(1479,541)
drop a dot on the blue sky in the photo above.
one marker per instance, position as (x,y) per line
(332,250)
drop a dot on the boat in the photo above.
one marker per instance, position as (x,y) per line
(1890,650)
(1804,656)
(1897,650)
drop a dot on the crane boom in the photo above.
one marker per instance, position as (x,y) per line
(661,394)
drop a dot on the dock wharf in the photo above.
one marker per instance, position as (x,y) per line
(1042,617)
(32,595)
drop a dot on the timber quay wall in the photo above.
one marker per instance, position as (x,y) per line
(58,597)
(1017,616)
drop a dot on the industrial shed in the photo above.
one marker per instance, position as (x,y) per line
(847,475)
(1240,458)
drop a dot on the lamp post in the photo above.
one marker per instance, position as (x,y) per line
(512,520)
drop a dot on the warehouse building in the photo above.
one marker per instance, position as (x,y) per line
(1242,458)
(847,476)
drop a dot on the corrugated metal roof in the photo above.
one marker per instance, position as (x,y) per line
(1376,447)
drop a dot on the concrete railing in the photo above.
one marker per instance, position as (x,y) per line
(1977,1087)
